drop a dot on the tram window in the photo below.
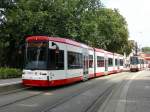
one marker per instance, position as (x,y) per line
(121,62)
(90,61)
(116,62)
(74,60)
(134,60)
(100,61)
(110,62)
(56,60)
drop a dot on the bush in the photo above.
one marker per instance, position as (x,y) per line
(10,73)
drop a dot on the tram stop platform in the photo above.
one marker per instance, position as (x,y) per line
(4,82)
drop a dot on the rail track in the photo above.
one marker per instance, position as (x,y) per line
(93,106)
(90,108)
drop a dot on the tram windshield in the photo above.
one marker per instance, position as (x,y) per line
(40,57)
(36,55)
(134,60)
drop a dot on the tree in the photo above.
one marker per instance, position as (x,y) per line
(86,21)
(113,29)
(146,50)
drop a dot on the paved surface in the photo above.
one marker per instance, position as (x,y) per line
(132,95)
(123,92)
(138,98)
(72,98)
(9,81)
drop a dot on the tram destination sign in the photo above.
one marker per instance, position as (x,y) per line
(37,44)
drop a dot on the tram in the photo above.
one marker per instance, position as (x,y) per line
(55,61)
(137,63)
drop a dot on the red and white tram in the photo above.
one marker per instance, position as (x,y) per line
(54,61)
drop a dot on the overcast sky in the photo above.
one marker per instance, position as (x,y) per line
(137,14)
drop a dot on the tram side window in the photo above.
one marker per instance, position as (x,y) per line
(121,62)
(100,61)
(116,62)
(110,62)
(74,60)
(56,60)
(90,61)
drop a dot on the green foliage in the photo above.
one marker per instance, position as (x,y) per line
(9,73)
(146,50)
(86,21)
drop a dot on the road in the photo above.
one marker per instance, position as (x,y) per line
(9,81)
(122,92)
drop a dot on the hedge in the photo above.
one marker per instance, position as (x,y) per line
(10,73)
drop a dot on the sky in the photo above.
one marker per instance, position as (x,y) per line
(137,15)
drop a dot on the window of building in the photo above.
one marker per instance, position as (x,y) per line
(74,60)
(100,61)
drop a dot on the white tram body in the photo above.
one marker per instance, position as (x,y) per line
(109,62)
(121,63)
(116,63)
(99,62)
(54,61)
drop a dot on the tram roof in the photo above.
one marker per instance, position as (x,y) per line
(99,50)
(57,39)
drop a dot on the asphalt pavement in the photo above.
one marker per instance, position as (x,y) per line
(132,95)
(122,92)
(72,98)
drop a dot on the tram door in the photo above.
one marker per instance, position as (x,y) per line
(85,65)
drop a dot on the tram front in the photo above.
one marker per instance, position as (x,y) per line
(35,69)
(134,63)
